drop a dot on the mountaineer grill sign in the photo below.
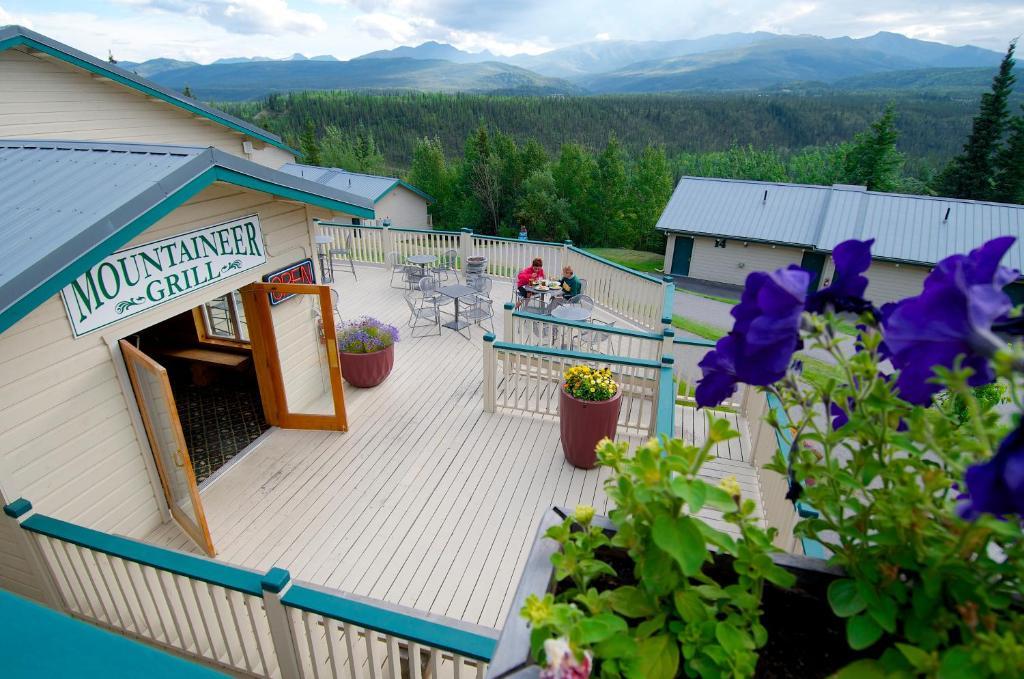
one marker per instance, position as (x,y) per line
(139,278)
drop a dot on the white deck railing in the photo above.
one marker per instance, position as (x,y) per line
(523,327)
(634,296)
(238,619)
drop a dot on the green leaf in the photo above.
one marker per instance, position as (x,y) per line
(884,613)
(649,627)
(956,664)
(918,658)
(719,499)
(658,658)
(631,602)
(618,646)
(600,627)
(844,598)
(861,669)
(732,638)
(779,576)
(862,631)
(689,606)
(681,539)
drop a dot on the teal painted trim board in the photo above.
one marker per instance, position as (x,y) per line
(422,194)
(665,419)
(185,565)
(391,622)
(245,181)
(693,342)
(620,267)
(612,330)
(351,226)
(399,229)
(666,304)
(41,642)
(579,355)
(516,240)
(148,91)
(18,508)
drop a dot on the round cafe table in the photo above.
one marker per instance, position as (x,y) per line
(570,312)
(421,260)
(542,292)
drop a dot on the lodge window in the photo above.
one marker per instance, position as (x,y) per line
(356,221)
(719,242)
(223,319)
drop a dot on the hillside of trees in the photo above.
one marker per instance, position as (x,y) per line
(931,129)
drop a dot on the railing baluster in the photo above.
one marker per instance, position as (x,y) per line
(351,647)
(371,655)
(329,629)
(257,634)
(415,671)
(394,658)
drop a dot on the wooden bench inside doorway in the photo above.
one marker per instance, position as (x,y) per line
(202,360)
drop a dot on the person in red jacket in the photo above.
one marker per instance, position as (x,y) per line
(529,276)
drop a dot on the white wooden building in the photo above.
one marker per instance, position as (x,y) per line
(720,230)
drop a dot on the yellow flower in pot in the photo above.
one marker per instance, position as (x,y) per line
(588,412)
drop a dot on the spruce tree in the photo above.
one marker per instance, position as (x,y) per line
(187,92)
(972,173)
(873,160)
(1010,164)
(309,145)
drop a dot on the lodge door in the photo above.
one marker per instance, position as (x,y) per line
(163,429)
(681,256)
(296,361)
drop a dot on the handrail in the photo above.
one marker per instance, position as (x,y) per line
(665,419)
(404,229)
(610,329)
(583,356)
(620,267)
(667,303)
(386,621)
(693,342)
(195,567)
(350,226)
(515,240)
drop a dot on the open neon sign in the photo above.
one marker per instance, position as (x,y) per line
(299,272)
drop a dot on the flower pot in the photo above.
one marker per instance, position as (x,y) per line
(804,638)
(367,370)
(584,424)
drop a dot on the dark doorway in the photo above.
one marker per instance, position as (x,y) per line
(813,262)
(681,256)
(213,382)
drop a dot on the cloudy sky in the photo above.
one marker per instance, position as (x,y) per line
(204,30)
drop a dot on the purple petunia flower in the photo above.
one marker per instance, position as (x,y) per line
(952,316)
(839,415)
(997,485)
(761,343)
(846,293)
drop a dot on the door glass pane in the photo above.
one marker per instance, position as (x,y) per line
(163,422)
(243,326)
(303,355)
(219,315)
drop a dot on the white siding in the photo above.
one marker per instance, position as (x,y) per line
(67,440)
(404,208)
(45,98)
(16,572)
(734,262)
(890,282)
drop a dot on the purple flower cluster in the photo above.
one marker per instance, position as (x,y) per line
(365,335)
(997,485)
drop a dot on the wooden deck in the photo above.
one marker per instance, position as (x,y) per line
(427,501)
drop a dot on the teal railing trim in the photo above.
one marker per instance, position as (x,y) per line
(784,440)
(395,623)
(579,355)
(665,419)
(350,226)
(693,342)
(667,302)
(610,263)
(405,230)
(186,565)
(516,240)
(610,329)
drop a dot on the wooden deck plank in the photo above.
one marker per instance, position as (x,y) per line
(427,501)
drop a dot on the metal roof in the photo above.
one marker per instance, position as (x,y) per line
(906,228)
(371,186)
(764,211)
(66,205)
(14,36)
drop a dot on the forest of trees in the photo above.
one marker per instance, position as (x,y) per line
(600,170)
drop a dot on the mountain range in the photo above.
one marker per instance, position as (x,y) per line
(727,62)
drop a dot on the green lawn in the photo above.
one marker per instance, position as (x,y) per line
(639,260)
(716,298)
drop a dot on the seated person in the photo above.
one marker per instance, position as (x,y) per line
(529,276)
(570,285)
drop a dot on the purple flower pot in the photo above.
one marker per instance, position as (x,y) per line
(367,370)
(584,424)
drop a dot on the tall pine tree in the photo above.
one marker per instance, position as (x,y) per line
(309,145)
(972,173)
(873,160)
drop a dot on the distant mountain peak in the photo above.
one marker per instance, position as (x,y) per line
(432,49)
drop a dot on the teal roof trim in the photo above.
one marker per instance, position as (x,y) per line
(141,86)
(249,182)
(405,185)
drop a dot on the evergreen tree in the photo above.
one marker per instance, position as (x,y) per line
(187,92)
(610,198)
(1009,186)
(824,166)
(541,210)
(971,174)
(308,145)
(652,187)
(430,173)
(574,178)
(873,160)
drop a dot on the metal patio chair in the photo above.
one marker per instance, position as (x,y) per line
(477,311)
(343,253)
(583,286)
(417,313)
(595,340)
(582,301)
(483,286)
(446,266)
(428,289)
(393,260)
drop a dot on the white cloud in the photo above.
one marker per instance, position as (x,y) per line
(7,18)
(248,17)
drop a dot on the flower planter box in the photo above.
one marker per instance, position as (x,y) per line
(583,424)
(367,370)
(804,638)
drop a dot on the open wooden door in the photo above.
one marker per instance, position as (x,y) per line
(296,362)
(163,429)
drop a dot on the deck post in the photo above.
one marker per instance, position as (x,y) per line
(508,321)
(275,584)
(668,335)
(465,247)
(386,238)
(19,511)
(490,373)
